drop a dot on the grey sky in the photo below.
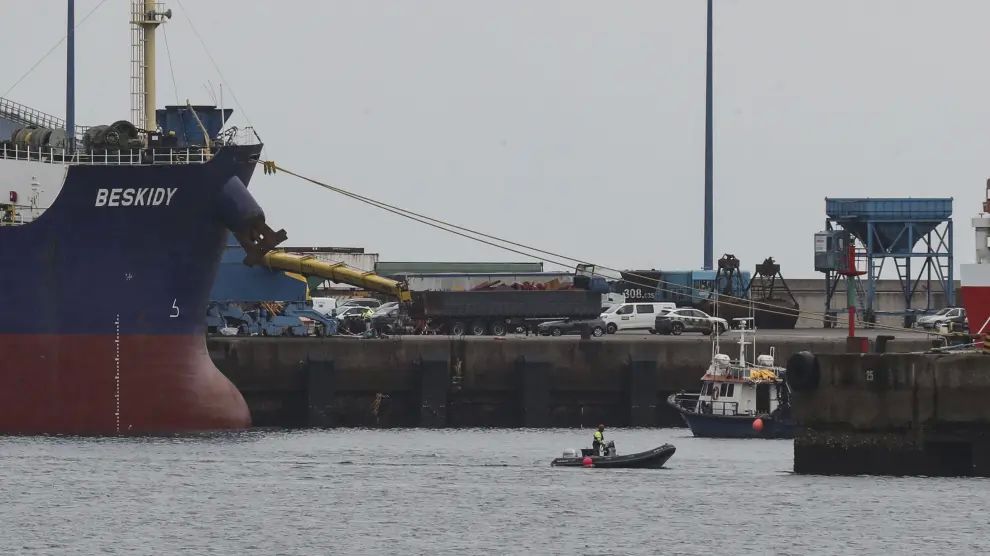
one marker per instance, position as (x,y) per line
(575,126)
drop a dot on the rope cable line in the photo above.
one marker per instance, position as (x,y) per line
(544,255)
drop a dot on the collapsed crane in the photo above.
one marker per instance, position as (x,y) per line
(307,265)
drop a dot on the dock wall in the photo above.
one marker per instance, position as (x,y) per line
(895,414)
(475,382)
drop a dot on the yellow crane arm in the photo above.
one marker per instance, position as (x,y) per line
(307,265)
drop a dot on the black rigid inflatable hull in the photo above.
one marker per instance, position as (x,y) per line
(650,459)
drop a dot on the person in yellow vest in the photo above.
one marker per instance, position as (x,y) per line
(598,444)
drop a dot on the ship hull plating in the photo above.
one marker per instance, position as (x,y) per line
(102,330)
(975,293)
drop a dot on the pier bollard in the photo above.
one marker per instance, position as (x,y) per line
(642,393)
(534,392)
(881,343)
(321,390)
(434,383)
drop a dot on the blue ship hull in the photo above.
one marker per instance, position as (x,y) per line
(102,330)
(718,426)
(708,425)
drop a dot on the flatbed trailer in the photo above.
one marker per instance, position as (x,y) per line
(497,312)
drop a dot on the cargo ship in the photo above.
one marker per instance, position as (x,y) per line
(111,236)
(975,278)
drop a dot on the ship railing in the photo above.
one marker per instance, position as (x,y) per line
(686,401)
(234,135)
(29,116)
(131,157)
(715,407)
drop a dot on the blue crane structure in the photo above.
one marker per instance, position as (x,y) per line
(915,233)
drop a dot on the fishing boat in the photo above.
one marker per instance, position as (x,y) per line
(650,459)
(738,399)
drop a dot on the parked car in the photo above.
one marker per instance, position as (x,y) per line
(688,320)
(323,305)
(561,327)
(353,319)
(633,316)
(349,311)
(360,302)
(955,317)
(389,319)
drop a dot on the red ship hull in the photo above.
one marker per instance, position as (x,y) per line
(976,297)
(82,384)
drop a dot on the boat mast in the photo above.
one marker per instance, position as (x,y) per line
(146,16)
(70,77)
(742,343)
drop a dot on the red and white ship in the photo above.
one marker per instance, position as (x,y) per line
(976,277)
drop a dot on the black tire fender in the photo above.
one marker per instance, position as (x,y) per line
(803,372)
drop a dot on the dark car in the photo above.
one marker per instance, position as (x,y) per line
(561,327)
(389,319)
(688,320)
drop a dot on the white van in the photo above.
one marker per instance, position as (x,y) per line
(610,299)
(634,316)
(324,305)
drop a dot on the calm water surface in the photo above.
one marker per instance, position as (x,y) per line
(461,492)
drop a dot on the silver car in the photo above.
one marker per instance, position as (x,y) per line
(688,320)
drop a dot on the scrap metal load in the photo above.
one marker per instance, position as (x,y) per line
(494,308)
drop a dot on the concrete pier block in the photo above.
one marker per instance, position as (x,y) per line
(641,393)
(321,391)
(534,392)
(434,384)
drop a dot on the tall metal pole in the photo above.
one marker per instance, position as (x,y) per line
(709,200)
(851,289)
(70,78)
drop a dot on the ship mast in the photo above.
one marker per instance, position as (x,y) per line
(146,16)
(70,78)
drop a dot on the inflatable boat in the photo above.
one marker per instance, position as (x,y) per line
(650,459)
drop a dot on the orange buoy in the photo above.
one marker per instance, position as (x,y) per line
(758,425)
(586,461)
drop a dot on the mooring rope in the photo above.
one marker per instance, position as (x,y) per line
(270,167)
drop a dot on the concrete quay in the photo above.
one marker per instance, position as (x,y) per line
(431,381)
(892,414)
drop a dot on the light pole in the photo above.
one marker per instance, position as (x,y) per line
(709,200)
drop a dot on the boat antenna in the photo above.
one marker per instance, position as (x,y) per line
(752,314)
(70,77)
(221,104)
(715,334)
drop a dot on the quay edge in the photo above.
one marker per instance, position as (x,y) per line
(432,381)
